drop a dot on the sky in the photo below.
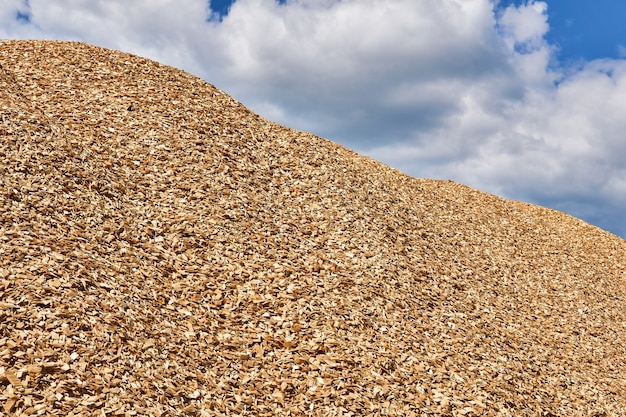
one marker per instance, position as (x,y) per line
(523,99)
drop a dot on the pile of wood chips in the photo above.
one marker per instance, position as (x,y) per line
(164,251)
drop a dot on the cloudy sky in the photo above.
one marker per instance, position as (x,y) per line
(524,99)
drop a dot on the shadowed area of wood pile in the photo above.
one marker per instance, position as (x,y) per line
(164,251)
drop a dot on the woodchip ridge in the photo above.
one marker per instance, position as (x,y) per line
(165,252)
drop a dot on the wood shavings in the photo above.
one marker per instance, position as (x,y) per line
(164,251)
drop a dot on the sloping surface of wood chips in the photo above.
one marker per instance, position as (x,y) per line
(164,251)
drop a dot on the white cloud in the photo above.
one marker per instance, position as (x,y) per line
(525,26)
(438,88)
(359,70)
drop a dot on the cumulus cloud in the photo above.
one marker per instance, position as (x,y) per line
(459,89)
(525,27)
(357,63)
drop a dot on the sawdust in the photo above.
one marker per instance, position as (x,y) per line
(165,251)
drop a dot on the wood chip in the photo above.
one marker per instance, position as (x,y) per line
(164,251)
(12,378)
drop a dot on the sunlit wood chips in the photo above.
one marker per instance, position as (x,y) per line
(164,251)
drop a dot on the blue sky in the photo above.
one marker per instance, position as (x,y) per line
(222,7)
(585,29)
(523,99)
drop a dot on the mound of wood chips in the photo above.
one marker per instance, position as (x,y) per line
(164,251)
